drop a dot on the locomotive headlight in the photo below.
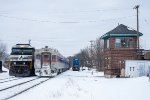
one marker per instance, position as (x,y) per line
(14,63)
(24,63)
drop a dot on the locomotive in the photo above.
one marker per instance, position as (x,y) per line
(22,60)
(49,62)
(76,64)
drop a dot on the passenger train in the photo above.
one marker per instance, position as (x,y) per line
(49,62)
(22,60)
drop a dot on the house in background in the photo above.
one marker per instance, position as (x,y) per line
(137,68)
(120,44)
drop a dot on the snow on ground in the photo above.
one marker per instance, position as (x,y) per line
(74,85)
(11,83)
(4,74)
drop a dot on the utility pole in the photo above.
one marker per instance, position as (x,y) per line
(91,53)
(137,10)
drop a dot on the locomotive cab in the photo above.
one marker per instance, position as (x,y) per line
(45,64)
(22,60)
(49,62)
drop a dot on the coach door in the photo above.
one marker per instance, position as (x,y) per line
(46,59)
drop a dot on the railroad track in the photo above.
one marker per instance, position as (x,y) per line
(12,91)
(14,82)
(7,78)
(17,84)
(10,79)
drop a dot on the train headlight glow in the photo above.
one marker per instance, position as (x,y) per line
(14,63)
(24,63)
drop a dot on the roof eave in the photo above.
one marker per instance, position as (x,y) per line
(106,36)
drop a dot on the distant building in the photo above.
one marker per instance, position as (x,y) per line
(146,54)
(137,68)
(120,44)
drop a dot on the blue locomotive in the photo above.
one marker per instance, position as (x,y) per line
(76,64)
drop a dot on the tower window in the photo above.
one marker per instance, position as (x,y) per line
(118,43)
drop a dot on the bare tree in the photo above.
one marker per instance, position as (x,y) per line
(97,58)
(84,56)
(3,51)
(99,54)
(2,54)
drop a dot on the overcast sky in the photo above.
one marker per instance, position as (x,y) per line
(68,25)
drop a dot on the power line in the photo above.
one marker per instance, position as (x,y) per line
(63,22)
(97,10)
(82,11)
(45,40)
(114,9)
(144,18)
(25,19)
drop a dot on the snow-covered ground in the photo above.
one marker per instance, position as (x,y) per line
(74,85)
(5,73)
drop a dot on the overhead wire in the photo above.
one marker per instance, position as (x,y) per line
(66,22)
(144,18)
(89,11)
(25,19)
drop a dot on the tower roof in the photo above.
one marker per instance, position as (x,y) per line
(121,31)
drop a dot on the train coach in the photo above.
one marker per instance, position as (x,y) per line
(49,62)
(22,60)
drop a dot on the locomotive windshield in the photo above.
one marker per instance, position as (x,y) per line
(46,58)
(22,51)
(76,61)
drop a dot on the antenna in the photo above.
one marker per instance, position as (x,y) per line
(29,42)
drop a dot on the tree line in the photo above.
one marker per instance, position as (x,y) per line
(92,56)
(3,51)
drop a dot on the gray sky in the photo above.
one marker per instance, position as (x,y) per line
(68,25)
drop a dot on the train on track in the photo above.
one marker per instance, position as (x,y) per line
(22,60)
(25,60)
(49,62)
(76,64)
